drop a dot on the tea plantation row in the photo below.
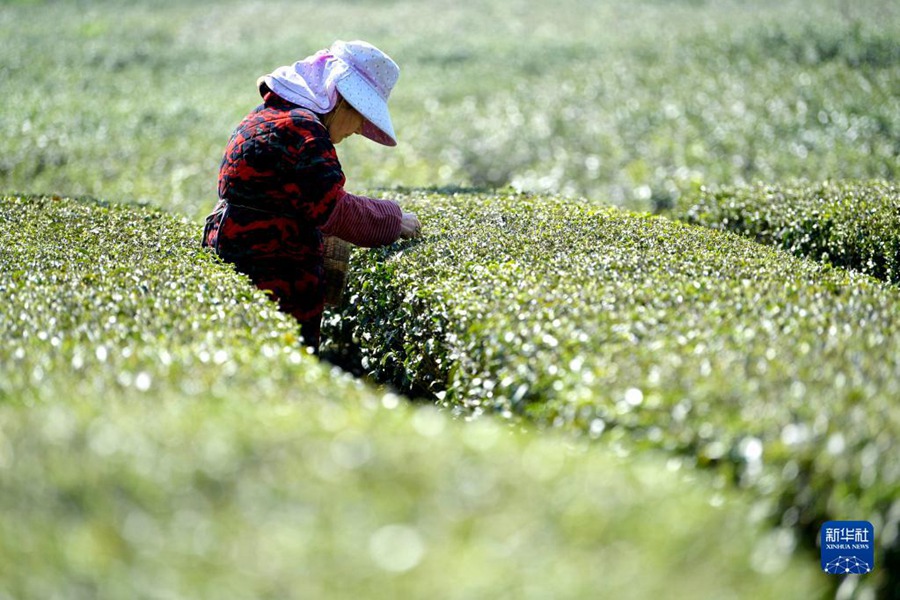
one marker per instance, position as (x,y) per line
(851,224)
(633,102)
(162,435)
(780,372)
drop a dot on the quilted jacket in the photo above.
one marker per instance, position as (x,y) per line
(281,186)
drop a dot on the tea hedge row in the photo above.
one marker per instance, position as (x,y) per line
(851,224)
(648,99)
(162,436)
(337,500)
(97,293)
(618,326)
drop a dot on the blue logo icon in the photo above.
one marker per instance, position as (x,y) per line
(848,547)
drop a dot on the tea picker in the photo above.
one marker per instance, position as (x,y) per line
(283,216)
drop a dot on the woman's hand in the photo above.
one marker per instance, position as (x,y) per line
(410,226)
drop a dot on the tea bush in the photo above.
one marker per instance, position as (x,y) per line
(780,372)
(636,103)
(162,435)
(122,295)
(852,224)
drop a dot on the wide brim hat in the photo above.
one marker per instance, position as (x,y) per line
(361,73)
(366,85)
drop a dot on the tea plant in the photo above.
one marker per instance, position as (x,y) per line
(632,103)
(779,372)
(855,225)
(163,435)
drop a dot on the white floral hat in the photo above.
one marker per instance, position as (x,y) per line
(362,74)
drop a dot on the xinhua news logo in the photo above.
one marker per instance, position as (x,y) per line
(848,547)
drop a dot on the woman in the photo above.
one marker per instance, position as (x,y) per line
(281,186)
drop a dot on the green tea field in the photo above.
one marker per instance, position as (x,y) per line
(646,347)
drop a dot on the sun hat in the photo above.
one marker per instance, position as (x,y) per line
(362,74)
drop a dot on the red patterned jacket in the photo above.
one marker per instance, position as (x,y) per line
(280,188)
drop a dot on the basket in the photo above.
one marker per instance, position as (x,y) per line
(337,259)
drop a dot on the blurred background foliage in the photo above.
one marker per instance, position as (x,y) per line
(631,103)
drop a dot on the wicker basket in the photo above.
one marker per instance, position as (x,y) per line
(337,259)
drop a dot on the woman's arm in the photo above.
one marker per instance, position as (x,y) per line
(364,221)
